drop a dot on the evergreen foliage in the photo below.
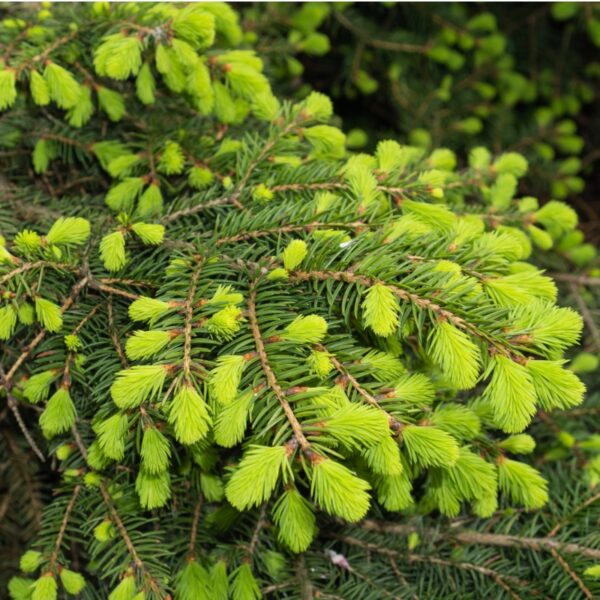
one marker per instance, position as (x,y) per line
(450,74)
(229,339)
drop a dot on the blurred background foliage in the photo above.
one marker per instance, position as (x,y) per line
(510,76)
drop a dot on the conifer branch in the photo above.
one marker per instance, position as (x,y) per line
(194,528)
(75,291)
(35,265)
(196,208)
(270,375)
(114,335)
(487,539)
(22,462)
(587,316)
(13,405)
(376,43)
(578,279)
(307,591)
(188,322)
(79,442)
(42,56)
(406,296)
(63,526)
(116,519)
(567,569)
(109,289)
(260,523)
(299,187)
(263,154)
(369,398)
(501,580)
(357,226)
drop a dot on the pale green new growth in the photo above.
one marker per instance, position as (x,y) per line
(456,354)
(155,451)
(192,582)
(522,483)
(148,309)
(294,254)
(225,377)
(429,446)
(59,414)
(36,388)
(243,585)
(149,233)
(555,386)
(394,492)
(112,251)
(518,444)
(384,457)
(310,329)
(153,489)
(338,490)
(138,384)
(72,230)
(45,588)
(111,435)
(320,363)
(145,344)
(511,394)
(296,523)
(231,420)
(48,314)
(30,561)
(72,582)
(380,310)
(357,425)
(414,388)
(8,321)
(458,420)
(256,476)
(125,590)
(188,415)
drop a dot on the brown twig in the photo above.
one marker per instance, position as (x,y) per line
(486,539)
(501,580)
(109,289)
(249,235)
(368,40)
(116,519)
(188,323)
(270,375)
(260,523)
(114,335)
(194,528)
(587,317)
(192,210)
(63,526)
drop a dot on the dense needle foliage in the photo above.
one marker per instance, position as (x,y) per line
(521,77)
(224,337)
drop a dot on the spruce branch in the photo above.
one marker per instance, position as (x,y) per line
(135,557)
(270,375)
(488,539)
(63,527)
(422,303)
(188,322)
(503,581)
(70,300)
(194,529)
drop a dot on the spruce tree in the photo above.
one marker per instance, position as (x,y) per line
(224,338)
